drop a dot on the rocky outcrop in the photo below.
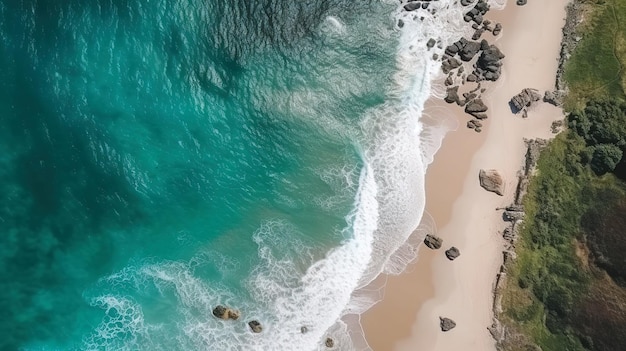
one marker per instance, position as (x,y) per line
(452,253)
(514,214)
(452,95)
(568,43)
(477,108)
(255,326)
(413,5)
(491,180)
(449,63)
(489,65)
(476,14)
(554,97)
(433,242)
(533,150)
(226,313)
(522,101)
(464,48)
(446,324)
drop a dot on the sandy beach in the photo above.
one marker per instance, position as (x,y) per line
(465,214)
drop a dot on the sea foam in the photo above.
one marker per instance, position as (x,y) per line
(397,143)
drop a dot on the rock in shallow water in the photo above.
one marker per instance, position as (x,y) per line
(329,342)
(255,326)
(226,313)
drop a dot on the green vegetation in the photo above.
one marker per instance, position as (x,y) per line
(567,288)
(572,215)
(597,67)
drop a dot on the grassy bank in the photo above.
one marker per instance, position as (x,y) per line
(567,288)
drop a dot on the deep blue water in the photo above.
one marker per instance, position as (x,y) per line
(158,156)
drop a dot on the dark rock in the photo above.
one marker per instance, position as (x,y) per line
(474,123)
(478,33)
(449,63)
(452,95)
(475,106)
(512,216)
(433,242)
(304,329)
(220,312)
(452,253)
(491,180)
(451,50)
(431,43)
(521,2)
(226,313)
(484,45)
(446,324)
(470,96)
(466,2)
(255,326)
(472,78)
(412,6)
(497,29)
(435,57)
(400,23)
(470,50)
(329,343)
(524,99)
(479,115)
(488,64)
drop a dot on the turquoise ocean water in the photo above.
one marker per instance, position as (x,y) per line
(159,157)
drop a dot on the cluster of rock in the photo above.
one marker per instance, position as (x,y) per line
(227,313)
(524,100)
(434,242)
(472,61)
(413,5)
(475,14)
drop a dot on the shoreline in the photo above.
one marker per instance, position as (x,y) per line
(462,290)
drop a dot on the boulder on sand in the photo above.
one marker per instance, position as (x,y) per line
(446,324)
(492,181)
(452,253)
(524,99)
(433,242)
